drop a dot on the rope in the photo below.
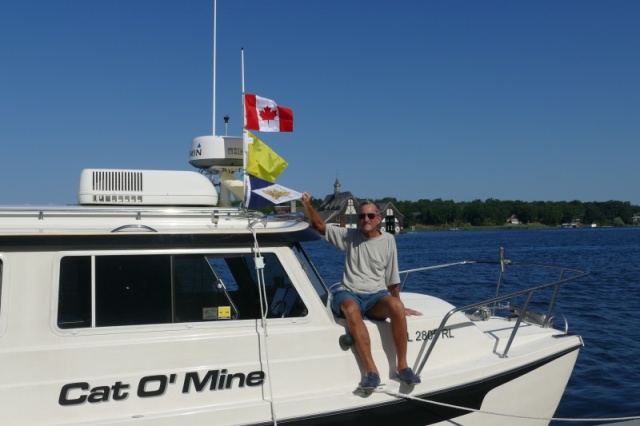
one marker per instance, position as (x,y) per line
(262,290)
(493,413)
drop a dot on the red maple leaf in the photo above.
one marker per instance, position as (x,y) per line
(268,114)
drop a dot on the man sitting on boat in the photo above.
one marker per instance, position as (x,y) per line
(370,286)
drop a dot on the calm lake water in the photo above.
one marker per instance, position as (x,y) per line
(603,307)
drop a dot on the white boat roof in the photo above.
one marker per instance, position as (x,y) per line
(143,201)
(101,219)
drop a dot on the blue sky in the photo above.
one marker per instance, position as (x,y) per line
(461,100)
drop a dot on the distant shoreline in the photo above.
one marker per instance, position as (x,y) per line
(425,228)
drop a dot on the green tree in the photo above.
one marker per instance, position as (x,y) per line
(524,211)
(593,214)
(473,213)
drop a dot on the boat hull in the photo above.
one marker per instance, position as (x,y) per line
(524,396)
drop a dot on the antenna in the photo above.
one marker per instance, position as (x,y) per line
(220,155)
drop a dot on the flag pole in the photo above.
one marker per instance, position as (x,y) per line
(213,114)
(245,141)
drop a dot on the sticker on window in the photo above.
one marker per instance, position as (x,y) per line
(224,312)
(210,313)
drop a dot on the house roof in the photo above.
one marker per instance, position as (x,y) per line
(389,205)
(333,204)
(336,201)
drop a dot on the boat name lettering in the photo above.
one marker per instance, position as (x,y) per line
(156,385)
(421,335)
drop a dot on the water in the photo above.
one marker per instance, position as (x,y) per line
(604,307)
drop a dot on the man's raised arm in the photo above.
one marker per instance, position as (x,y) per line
(314,219)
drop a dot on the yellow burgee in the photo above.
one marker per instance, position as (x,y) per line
(263,162)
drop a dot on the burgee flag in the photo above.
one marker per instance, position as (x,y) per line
(262,161)
(263,193)
(264,115)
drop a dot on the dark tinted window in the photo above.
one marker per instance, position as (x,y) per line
(158,289)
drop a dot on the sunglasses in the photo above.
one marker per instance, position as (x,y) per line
(361,216)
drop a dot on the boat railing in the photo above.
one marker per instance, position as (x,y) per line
(490,306)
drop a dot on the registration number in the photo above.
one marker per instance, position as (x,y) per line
(422,335)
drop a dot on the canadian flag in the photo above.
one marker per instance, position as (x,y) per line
(264,115)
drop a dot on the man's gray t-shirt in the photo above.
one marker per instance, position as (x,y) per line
(371,263)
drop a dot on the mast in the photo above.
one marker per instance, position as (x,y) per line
(245,137)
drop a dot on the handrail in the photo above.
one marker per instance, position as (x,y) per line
(430,268)
(529,292)
(138,226)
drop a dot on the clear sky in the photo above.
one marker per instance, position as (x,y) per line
(461,100)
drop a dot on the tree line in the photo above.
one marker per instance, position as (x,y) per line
(492,212)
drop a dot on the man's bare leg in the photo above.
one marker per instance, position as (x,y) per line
(360,334)
(393,308)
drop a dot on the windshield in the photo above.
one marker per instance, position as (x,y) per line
(312,273)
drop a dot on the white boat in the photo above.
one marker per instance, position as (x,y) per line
(150,304)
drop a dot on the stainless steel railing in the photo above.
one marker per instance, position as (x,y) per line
(565,275)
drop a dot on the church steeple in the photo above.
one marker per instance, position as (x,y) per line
(336,187)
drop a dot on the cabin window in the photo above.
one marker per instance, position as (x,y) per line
(312,274)
(121,290)
(74,295)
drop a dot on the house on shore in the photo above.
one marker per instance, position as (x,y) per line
(513,220)
(342,208)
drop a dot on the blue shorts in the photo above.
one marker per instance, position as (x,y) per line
(365,301)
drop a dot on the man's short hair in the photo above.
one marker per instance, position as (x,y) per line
(367,201)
